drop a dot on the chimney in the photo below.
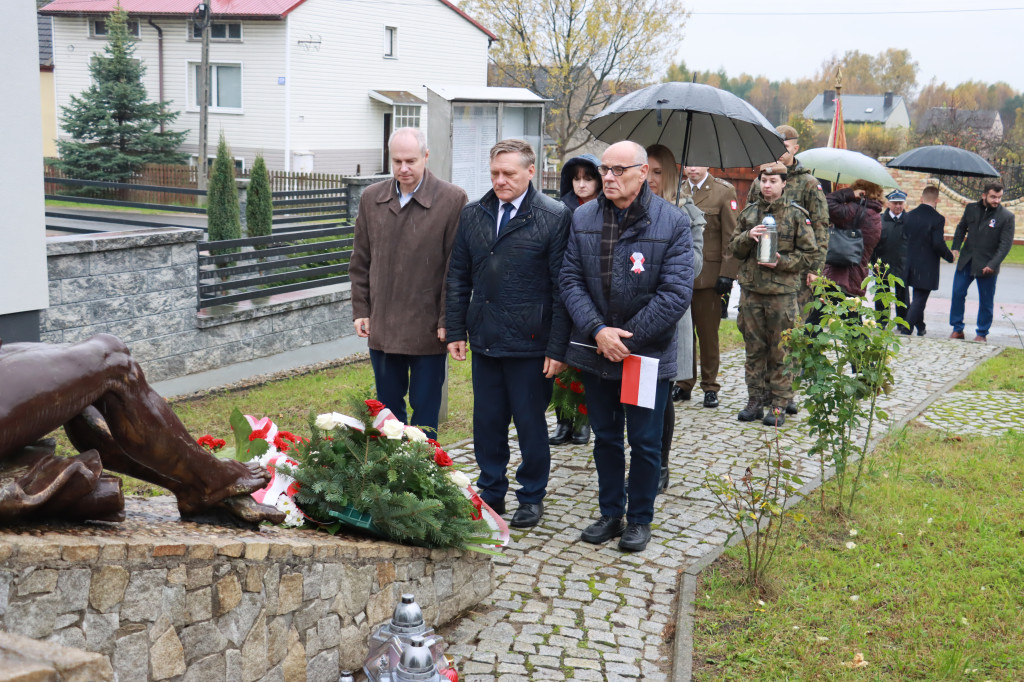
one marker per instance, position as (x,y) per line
(887,101)
(830,98)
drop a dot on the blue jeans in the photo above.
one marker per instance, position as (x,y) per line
(986,295)
(506,390)
(422,376)
(608,416)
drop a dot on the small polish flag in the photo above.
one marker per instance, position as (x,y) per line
(639,381)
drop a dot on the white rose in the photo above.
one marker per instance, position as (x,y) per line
(460,479)
(392,429)
(326,422)
(416,435)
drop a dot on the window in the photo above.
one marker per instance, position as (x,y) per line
(219,30)
(98,28)
(225,87)
(407,116)
(390,42)
(239,162)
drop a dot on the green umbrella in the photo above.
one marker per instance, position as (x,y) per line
(843,166)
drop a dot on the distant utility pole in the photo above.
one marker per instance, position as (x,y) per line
(201,18)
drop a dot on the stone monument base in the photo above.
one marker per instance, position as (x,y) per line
(165,600)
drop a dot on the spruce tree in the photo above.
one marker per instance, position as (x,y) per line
(113,125)
(223,220)
(259,209)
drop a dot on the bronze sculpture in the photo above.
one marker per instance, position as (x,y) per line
(98,393)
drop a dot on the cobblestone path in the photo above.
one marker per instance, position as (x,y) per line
(567,610)
(976,413)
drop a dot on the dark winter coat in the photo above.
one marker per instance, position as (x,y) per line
(648,303)
(503,294)
(985,235)
(925,245)
(847,211)
(569,197)
(892,246)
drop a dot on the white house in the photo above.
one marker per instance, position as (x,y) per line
(313,85)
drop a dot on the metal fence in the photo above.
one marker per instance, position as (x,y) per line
(1011,175)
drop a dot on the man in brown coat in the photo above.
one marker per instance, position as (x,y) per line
(717,199)
(403,238)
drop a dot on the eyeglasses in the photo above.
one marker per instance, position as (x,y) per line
(616,170)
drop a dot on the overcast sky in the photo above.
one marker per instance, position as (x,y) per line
(952,40)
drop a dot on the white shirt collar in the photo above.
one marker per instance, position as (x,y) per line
(516,203)
(700,184)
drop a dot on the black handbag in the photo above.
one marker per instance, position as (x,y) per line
(845,245)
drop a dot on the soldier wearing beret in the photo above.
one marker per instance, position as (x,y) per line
(768,292)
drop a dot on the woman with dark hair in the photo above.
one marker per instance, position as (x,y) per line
(580,182)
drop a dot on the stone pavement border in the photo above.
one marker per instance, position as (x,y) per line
(682,669)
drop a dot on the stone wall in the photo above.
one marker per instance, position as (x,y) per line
(141,287)
(951,204)
(293,606)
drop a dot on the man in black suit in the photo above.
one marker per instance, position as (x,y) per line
(986,234)
(925,245)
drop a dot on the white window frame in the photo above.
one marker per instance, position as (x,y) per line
(191,74)
(191,36)
(390,42)
(406,116)
(193,160)
(137,33)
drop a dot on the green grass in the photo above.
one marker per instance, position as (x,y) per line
(1004,372)
(937,570)
(1015,257)
(97,207)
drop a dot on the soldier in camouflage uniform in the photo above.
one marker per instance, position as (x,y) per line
(768,293)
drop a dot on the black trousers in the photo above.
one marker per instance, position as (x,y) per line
(915,314)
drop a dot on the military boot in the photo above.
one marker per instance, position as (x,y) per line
(752,411)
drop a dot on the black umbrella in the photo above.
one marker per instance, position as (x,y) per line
(942,159)
(701,124)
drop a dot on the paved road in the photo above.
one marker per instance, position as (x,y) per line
(566,610)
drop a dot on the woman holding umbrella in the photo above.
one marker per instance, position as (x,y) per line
(663,179)
(580,182)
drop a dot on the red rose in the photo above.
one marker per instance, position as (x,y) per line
(288,436)
(218,443)
(374,406)
(560,383)
(576,387)
(441,458)
(280,443)
(583,409)
(206,441)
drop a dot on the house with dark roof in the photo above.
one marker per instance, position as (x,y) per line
(887,110)
(985,123)
(313,85)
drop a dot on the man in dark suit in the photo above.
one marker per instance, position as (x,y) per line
(985,233)
(925,245)
(504,299)
(892,249)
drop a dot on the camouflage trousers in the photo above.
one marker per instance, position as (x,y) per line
(762,319)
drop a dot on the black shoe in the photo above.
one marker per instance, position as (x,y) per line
(792,407)
(528,515)
(920,332)
(776,417)
(581,434)
(753,411)
(710,399)
(680,393)
(498,505)
(603,530)
(636,537)
(663,480)
(563,432)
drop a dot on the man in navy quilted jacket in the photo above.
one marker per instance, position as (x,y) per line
(503,298)
(626,281)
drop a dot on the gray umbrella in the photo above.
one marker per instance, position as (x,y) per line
(942,159)
(701,124)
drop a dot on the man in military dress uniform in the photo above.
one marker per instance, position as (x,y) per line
(717,199)
(768,292)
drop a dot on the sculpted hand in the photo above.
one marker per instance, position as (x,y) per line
(457,349)
(553,368)
(362,325)
(609,343)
